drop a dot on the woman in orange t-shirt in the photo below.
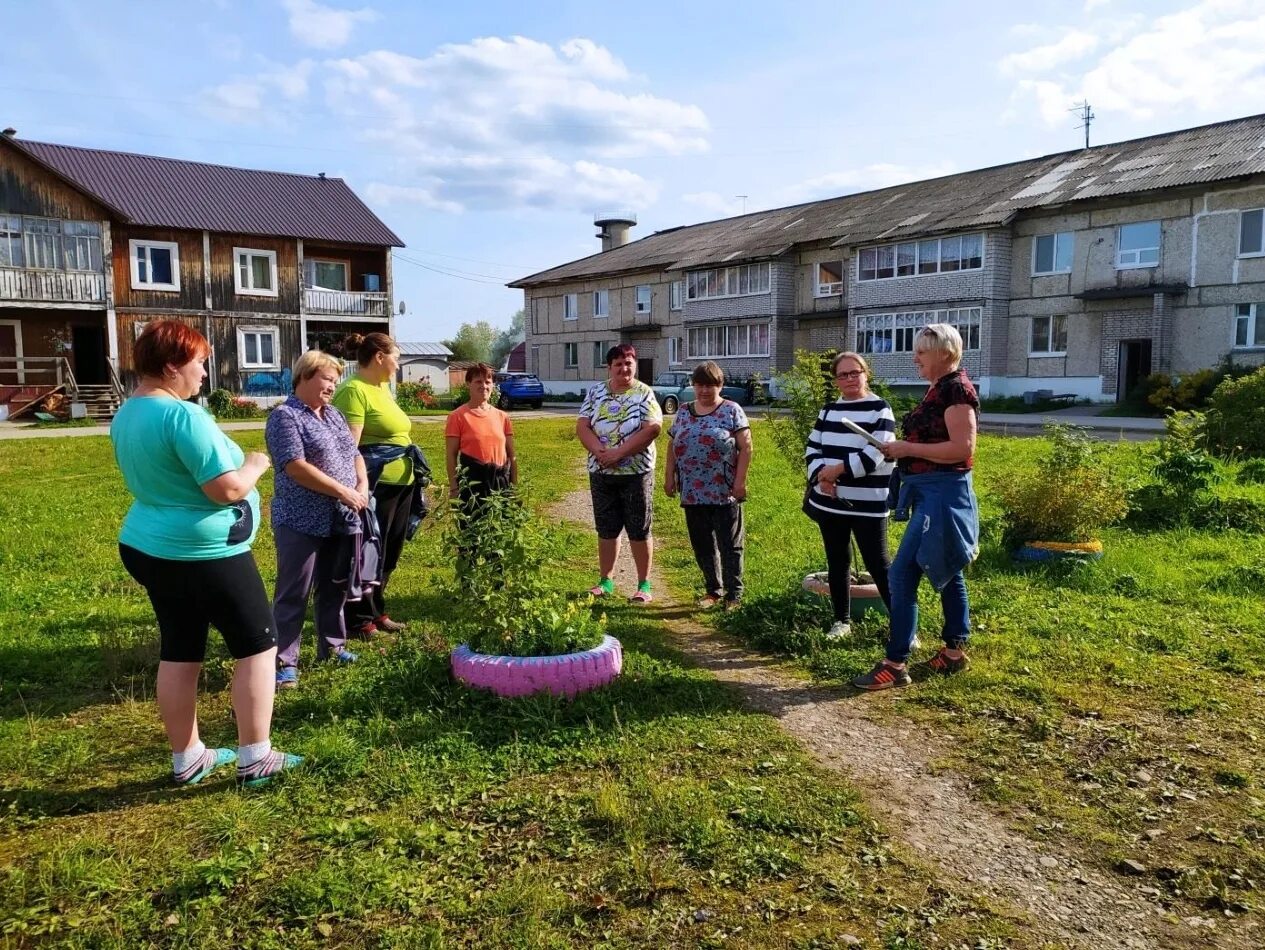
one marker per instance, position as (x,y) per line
(480,443)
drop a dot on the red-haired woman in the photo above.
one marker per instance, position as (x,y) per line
(186,540)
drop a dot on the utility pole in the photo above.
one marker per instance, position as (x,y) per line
(1086,115)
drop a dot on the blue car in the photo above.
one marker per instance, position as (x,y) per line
(517,389)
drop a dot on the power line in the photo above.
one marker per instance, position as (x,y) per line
(475,279)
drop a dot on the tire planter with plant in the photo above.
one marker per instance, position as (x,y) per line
(864,597)
(1039,551)
(566,674)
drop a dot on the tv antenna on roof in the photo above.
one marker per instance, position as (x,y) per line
(744,202)
(1087,116)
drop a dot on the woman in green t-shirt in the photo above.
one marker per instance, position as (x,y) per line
(375,419)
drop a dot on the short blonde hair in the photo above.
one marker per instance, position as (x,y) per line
(708,374)
(311,363)
(942,338)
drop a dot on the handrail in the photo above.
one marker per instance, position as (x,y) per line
(115,382)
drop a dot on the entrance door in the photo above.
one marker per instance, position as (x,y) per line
(1135,365)
(88,348)
(645,370)
(10,346)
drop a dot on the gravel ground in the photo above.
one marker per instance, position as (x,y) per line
(1063,896)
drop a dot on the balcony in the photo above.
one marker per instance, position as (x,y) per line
(28,285)
(347,303)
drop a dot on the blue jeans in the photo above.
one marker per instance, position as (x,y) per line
(904,576)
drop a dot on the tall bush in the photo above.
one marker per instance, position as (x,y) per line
(412,397)
(806,388)
(1236,417)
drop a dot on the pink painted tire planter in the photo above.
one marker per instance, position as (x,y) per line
(566,674)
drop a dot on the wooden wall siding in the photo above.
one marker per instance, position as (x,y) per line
(362,260)
(127,338)
(191,295)
(224,295)
(229,373)
(26,188)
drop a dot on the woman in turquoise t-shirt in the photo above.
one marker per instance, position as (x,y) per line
(186,540)
(374,418)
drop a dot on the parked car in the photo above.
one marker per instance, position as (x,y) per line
(516,389)
(672,389)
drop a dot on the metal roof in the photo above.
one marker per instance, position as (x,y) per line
(423,349)
(173,193)
(985,198)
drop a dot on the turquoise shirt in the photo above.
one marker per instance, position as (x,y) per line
(167,450)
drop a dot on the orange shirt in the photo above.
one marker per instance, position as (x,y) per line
(482,433)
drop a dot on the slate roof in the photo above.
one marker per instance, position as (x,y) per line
(173,193)
(423,349)
(985,198)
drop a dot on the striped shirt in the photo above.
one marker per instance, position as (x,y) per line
(862,488)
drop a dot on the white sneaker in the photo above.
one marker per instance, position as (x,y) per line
(838,630)
(916,644)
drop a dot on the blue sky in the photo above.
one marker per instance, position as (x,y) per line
(487,134)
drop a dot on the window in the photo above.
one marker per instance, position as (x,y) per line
(740,281)
(600,349)
(535,359)
(1052,253)
(325,275)
(643,298)
(1138,245)
(748,339)
(934,256)
(676,352)
(257,348)
(11,241)
(49,243)
(43,243)
(81,241)
(895,332)
(676,294)
(571,353)
(255,272)
(829,280)
(1251,233)
(155,265)
(601,303)
(1049,336)
(1248,330)
(570,306)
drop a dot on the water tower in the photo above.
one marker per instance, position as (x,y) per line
(614,227)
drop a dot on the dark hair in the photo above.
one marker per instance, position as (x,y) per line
(365,348)
(480,370)
(619,351)
(708,374)
(166,343)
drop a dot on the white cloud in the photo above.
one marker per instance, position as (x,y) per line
(498,122)
(322,27)
(716,204)
(864,178)
(1074,45)
(1209,57)
(252,100)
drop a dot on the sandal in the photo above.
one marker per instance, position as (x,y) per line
(643,595)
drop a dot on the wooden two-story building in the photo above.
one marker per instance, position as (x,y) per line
(94,244)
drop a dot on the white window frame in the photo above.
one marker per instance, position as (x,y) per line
(1132,258)
(19,367)
(570,306)
(1260,237)
(740,280)
(1060,238)
(136,244)
(831,288)
(600,349)
(253,252)
(309,278)
(676,355)
(713,341)
(571,355)
(1050,335)
(643,306)
(676,295)
(1253,313)
(259,331)
(924,263)
(900,329)
(601,303)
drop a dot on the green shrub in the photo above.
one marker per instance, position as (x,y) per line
(1252,472)
(509,610)
(807,387)
(1191,391)
(461,394)
(224,405)
(1070,496)
(1236,417)
(413,397)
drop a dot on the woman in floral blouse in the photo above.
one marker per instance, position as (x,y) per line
(707,466)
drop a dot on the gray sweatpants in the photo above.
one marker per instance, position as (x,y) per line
(717,535)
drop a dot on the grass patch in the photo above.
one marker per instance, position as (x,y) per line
(655,812)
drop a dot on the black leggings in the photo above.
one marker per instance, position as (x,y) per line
(394,504)
(191,596)
(837,532)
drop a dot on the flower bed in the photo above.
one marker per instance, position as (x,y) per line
(566,674)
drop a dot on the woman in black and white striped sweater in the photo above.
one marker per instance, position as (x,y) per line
(848,479)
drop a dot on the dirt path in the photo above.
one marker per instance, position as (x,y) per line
(932,810)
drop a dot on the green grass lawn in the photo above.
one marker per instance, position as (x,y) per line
(655,812)
(1121,702)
